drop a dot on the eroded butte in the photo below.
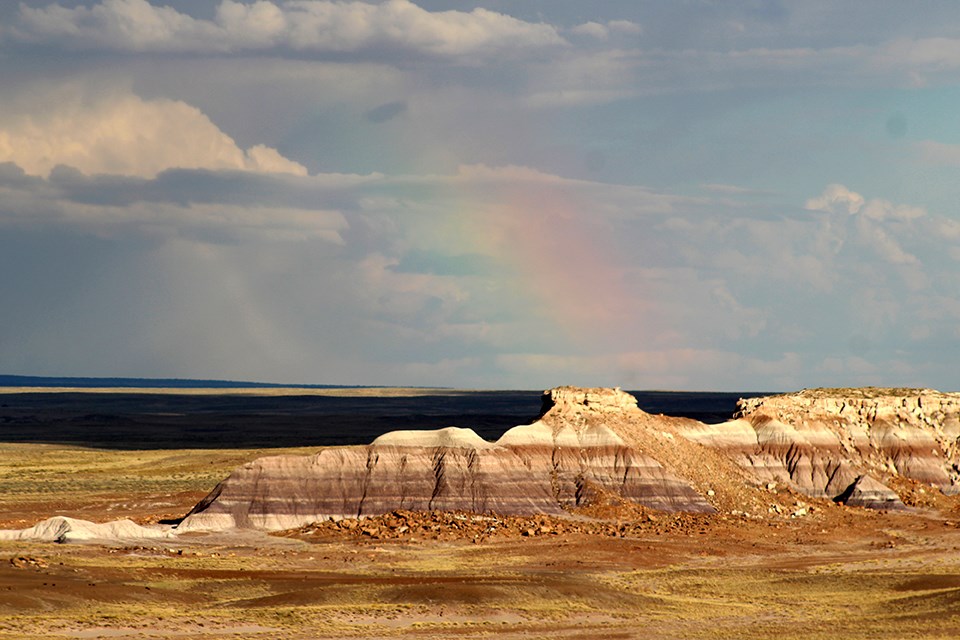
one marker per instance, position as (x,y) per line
(848,445)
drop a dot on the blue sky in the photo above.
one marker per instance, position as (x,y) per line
(499,194)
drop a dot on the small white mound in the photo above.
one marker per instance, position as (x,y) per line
(542,434)
(63,529)
(451,437)
(536,434)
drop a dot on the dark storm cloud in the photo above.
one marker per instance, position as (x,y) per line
(200,186)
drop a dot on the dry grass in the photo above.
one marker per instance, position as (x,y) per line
(338,589)
(102,484)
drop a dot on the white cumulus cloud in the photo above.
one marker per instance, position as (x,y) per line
(874,216)
(601,31)
(592,29)
(304,25)
(836,198)
(879,209)
(122,134)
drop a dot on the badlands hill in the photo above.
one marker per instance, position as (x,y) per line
(572,452)
(843,444)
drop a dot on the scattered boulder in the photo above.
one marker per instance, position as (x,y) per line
(28,562)
(869,493)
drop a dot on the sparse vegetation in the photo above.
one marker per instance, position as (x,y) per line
(141,485)
(342,588)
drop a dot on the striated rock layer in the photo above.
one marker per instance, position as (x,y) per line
(557,462)
(838,443)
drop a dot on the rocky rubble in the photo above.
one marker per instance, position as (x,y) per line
(458,525)
(28,562)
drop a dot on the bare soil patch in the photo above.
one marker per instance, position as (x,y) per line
(851,572)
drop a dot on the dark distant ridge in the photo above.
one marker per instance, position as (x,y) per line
(156,383)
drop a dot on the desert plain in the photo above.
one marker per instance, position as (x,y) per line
(792,567)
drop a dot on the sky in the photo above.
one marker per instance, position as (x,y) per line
(690,195)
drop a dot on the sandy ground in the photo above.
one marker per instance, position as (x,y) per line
(835,572)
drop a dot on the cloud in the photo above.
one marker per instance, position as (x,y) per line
(938,153)
(356,25)
(886,246)
(897,62)
(338,29)
(929,54)
(302,25)
(488,256)
(38,203)
(114,24)
(732,189)
(873,216)
(386,112)
(120,133)
(408,214)
(585,78)
(836,198)
(679,368)
(591,29)
(434,262)
(880,209)
(625,26)
(491,276)
(602,31)
(611,62)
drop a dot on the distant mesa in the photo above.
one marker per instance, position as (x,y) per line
(837,444)
(49,382)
